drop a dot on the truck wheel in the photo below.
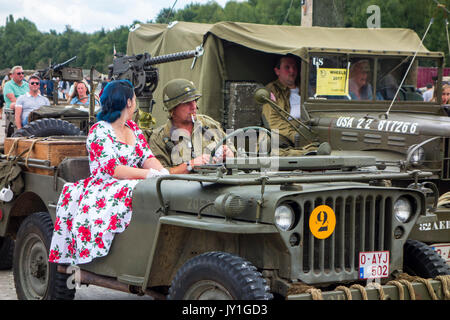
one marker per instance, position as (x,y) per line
(423,261)
(6,252)
(48,127)
(218,276)
(34,276)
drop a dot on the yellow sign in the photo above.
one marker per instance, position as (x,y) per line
(322,222)
(332,82)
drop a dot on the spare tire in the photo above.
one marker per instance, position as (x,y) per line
(48,127)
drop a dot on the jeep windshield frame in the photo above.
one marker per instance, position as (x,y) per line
(328,76)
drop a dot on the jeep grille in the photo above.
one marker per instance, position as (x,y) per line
(363,223)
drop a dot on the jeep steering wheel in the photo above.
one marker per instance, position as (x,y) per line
(237,132)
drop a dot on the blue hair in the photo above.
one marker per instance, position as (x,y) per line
(114,99)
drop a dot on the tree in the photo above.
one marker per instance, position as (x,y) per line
(329,13)
(21,43)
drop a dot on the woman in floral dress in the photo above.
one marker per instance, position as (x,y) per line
(92,210)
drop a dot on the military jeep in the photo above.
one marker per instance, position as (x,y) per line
(251,228)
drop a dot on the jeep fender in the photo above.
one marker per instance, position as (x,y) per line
(182,237)
(16,211)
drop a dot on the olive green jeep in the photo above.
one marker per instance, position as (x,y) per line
(251,228)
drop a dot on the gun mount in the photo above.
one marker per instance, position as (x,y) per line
(140,70)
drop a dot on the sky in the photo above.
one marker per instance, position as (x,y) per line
(88,15)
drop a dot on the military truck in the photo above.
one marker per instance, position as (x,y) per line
(402,133)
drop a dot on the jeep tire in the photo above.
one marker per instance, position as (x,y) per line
(6,252)
(218,276)
(48,127)
(34,276)
(421,260)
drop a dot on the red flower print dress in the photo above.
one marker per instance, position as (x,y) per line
(92,210)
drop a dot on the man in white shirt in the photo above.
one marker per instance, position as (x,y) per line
(28,102)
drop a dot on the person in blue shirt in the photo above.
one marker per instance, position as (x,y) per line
(81,94)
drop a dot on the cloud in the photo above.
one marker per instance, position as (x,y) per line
(88,15)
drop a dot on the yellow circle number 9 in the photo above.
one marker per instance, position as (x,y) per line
(322,222)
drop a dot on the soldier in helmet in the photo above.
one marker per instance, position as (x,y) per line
(187,139)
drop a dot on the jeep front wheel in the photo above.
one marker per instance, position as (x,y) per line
(218,276)
(34,276)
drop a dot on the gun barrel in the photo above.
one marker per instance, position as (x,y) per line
(175,56)
(60,65)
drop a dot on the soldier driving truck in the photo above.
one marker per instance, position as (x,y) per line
(248,228)
(285,92)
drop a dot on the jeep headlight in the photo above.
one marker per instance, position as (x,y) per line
(284,217)
(417,157)
(230,205)
(402,209)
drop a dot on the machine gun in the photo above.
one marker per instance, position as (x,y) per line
(59,70)
(140,70)
(62,72)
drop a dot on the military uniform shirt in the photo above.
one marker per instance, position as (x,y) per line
(271,119)
(173,146)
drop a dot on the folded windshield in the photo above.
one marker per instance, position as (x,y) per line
(368,78)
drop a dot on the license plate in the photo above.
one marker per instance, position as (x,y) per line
(443,250)
(373,264)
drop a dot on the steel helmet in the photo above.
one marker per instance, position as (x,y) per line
(178,91)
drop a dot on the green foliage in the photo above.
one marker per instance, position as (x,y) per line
(21,43)
(411,14)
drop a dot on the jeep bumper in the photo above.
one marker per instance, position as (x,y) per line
(427,289)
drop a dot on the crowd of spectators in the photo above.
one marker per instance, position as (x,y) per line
(16,84)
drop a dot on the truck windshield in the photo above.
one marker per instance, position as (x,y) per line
(368,78)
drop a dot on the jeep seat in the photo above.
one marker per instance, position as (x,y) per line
(74,169)
(241,109)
